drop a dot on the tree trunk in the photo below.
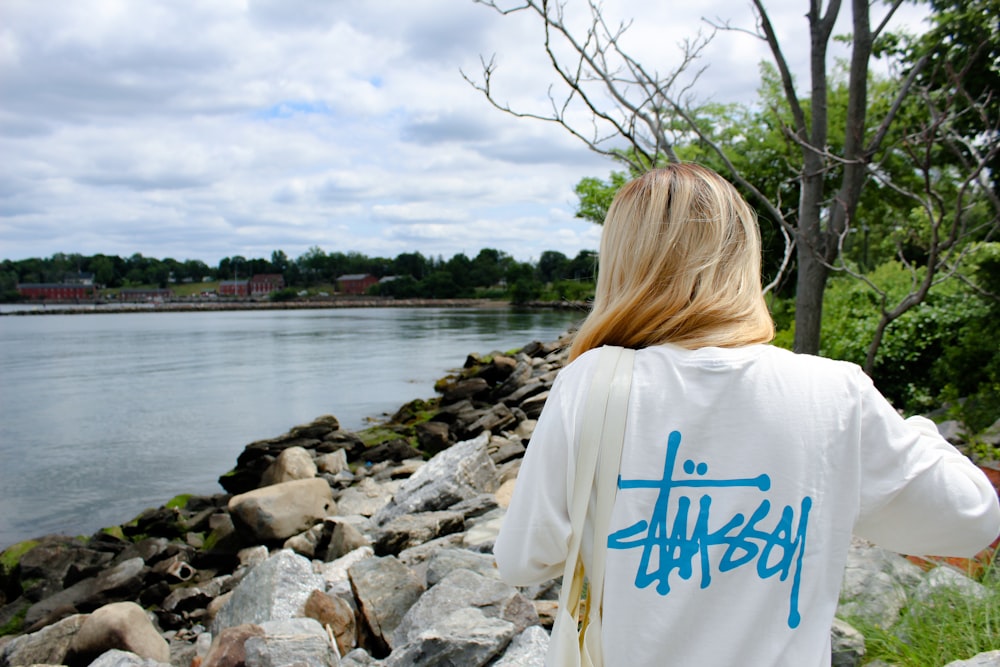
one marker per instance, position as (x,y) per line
(809,289)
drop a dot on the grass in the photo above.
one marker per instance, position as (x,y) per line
(947,626)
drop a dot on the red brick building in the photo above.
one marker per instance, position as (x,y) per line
(263,284)
(355,283)
(234,288)
(57,291)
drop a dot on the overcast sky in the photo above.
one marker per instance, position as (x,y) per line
(200,130)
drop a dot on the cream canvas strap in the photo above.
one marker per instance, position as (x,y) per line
(598,462)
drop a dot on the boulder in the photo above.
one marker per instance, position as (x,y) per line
(461,590)
(120,582)
(528,649)
(120,625)
(228,647)
(118,658)
(412,529)
(277,589)
(446,561)
(336,614)
(847,645)
(332,463)
(366,497)
(300,641)
(292,463)
(464,637)
(335,573)
(459,473)
(48,646)
(988,659)
(279,511)
(385,590)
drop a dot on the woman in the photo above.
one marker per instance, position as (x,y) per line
(745,468)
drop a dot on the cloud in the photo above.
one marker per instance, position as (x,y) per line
(200,130)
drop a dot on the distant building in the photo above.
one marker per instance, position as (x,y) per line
(57,291)
(234,288)
(263,284)
(355,283)
(140,295)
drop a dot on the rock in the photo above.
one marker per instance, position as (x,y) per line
(463,589)
(410,530)
(498,417)
(505,449)
(120,582)
(47,646)
(528,649)
(433,436)
(277,589)
(875,584)
(988,659)
(120,625)
(464,637)
(333,612)
(292,464)
(385,590)
(335,572)
(344,538)
(482,531)
(847,645)
(228,648)
(366,498)
(945,578)
(533,406)
(359,658)
(299,641)
(461,472)
(446,561)
(279,511)
(305,544)
(464,389)
(118,658)
(332,463)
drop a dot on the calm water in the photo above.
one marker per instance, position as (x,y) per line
(103,415)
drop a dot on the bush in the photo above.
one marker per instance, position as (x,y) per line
(937,352)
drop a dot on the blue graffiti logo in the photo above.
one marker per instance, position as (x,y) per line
(777,551)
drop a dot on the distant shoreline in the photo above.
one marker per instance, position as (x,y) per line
(205,306)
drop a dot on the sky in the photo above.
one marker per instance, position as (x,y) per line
(202,130)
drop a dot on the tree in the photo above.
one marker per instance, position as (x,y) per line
(652,112)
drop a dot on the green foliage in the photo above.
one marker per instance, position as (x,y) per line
(948,626)
(178,502)
(938,352)
(595,196)
(284,294)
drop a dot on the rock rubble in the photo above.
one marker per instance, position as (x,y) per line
(332,547)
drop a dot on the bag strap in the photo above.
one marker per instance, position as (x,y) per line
(603,421)
(609,465)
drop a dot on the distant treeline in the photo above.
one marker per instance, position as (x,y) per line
(491,273)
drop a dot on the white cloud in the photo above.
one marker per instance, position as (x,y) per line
(201,130)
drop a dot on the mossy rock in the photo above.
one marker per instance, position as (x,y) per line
(416,412)
(15,623)
(179,502)
(377,435)
(11,556)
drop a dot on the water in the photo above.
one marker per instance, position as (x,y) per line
(104,415)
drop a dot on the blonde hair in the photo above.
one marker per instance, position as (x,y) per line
(679,263)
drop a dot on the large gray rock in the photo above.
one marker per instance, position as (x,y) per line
(279,511)
(446,561)
(875,584)
(847,645)
(464,637)
(366,497)
(292,463)
(117,658)
(120,625)
(945,578)
(47,646)
(299,641)
(464,589)
(276,589)
(120,582)
(385,590)
(335,572)
(528,649)
(410,530)
(459,473)
(988,659)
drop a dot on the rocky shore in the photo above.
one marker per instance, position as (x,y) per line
(332,547)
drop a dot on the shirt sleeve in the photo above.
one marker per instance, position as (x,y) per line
(919,495)
(534,538)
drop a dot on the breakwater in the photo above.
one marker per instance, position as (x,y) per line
(339,547)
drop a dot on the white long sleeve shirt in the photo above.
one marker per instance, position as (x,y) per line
(744,473)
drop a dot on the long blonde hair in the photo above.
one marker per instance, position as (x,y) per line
(679,263)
